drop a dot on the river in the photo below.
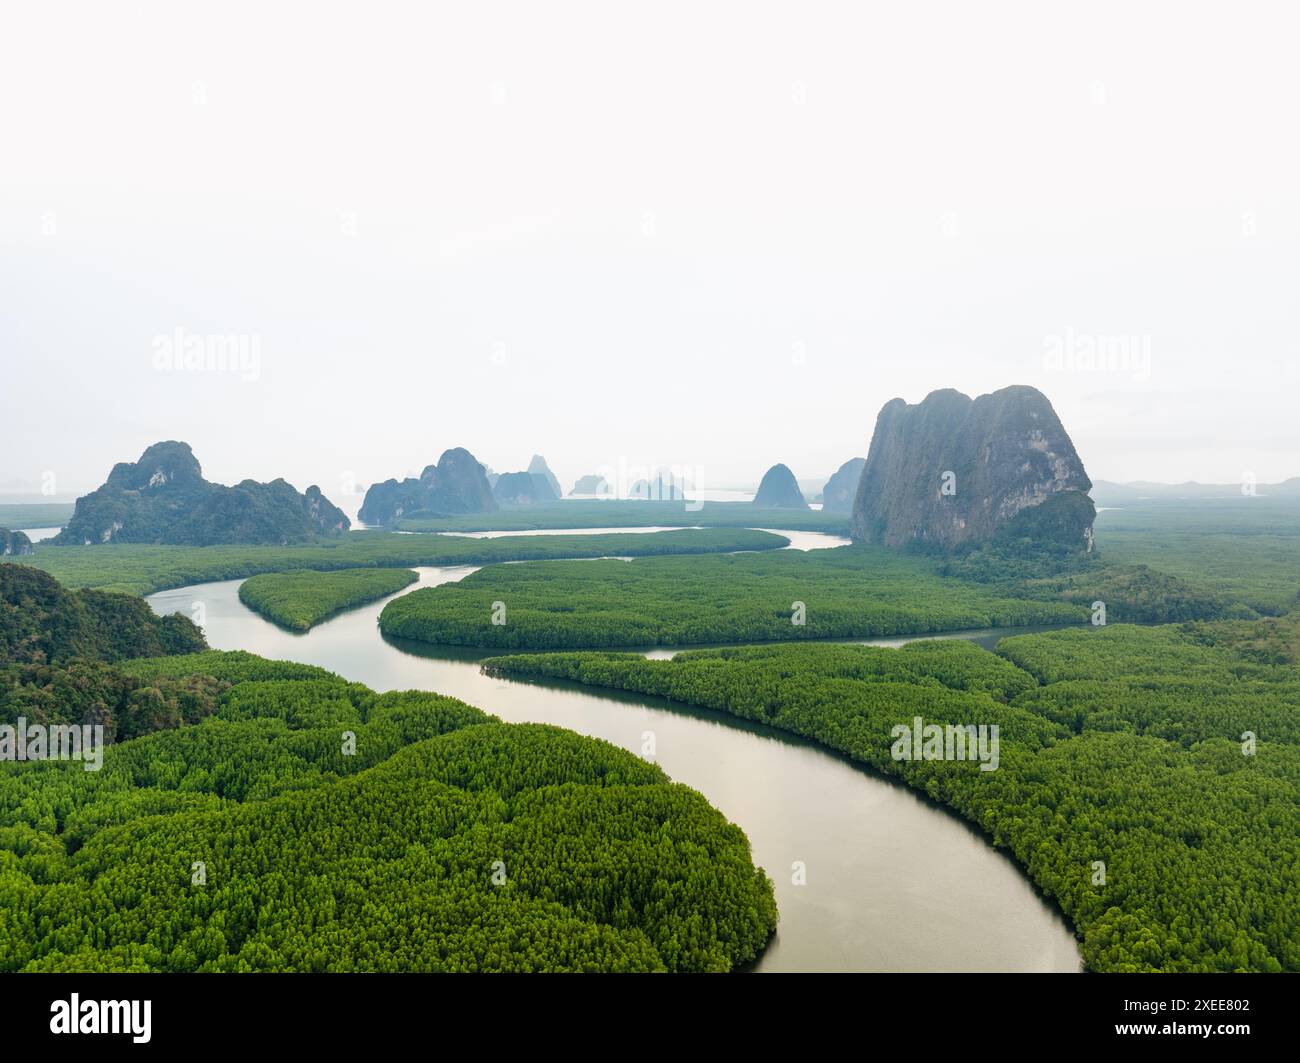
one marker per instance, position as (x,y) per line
(893,882)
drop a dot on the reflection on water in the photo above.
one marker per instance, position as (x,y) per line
(892,882)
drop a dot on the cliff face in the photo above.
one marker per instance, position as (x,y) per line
(323,513)
(163,498)
(14,543)
(842,488)
(952,470)
(779,490)
(456,484)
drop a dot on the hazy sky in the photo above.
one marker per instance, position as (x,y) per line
(710,235)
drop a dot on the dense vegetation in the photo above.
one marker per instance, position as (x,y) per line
(1245,549)
(300,600)
(40,621)
(251,841)
(91,692)
(1137,593)
(589,513)
(55,646)
(139,569)
(163,498)
(852,591)
(1120,744)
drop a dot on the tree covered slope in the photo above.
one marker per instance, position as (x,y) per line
(163,498)
(42,621)
(1149,778)
(447,841)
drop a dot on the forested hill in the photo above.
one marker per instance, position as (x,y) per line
(163,498)
(41,621)
(312,824)
(55,649)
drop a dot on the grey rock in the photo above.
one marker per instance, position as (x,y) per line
(952,470)
(842,488)
(779,490)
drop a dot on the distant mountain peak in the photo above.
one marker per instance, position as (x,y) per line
(538,467)
(779,490)
(457,483)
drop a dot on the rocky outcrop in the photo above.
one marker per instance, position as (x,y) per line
(779,490)
(164,499)
(323,513)
(523,489)
(538,467)
(952,470)
(456,484)
(14,544)
(842,488)
(592,484)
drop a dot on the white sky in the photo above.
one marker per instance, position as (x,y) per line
(714,235)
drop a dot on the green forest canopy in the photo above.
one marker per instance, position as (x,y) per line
(42,621)
(300,600)
(1246,549)
(250,841)
(850,591)
(1121,745)
(139,569)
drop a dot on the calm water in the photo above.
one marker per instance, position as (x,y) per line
(893,883)
(799,540)
(38,535)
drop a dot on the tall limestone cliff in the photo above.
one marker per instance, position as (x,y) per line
(842,488)
(164,499)
(456,484)
(952,470)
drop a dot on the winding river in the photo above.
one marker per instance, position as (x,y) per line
(893,883)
